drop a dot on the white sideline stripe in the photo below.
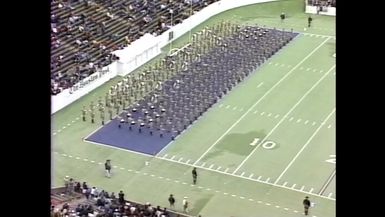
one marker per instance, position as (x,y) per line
(173,157)
(180,159)
(284,184)
(269,115)
(307,121)
(235,108)
(188,161)
(268,179)
(260,84)
(260,99)
(313,123)
(329,126)
(262,113)
(303,187)
(291,118)
(255,112)
(330,194)
(308,141)
(229,174)
(299,120)
(203,164)
(226,170)
(259,177)
(228,106)
(327,182)
(311,190)
(276,116)
(242,173)
(293,186)
(211,166)
(251,176)
(292,109)
(219,168)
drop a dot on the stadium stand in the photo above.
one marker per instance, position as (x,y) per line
(93,202)
(85,32)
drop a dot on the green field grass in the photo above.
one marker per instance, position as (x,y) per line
(287,107)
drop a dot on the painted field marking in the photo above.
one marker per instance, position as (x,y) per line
(260,99)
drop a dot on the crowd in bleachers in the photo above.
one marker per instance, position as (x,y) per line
(85,32)
(100,203)
(322,3)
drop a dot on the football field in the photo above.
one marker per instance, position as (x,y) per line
(258,151)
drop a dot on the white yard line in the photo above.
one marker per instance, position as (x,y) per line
(284,117)
(260,99)
(304,146)
(327,182)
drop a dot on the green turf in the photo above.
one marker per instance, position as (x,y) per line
(225,194)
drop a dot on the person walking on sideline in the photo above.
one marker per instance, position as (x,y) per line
(185,204)
(171,199)
(306,204)
(107,166)
(194,175)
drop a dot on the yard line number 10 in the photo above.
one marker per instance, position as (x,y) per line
(265,145)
